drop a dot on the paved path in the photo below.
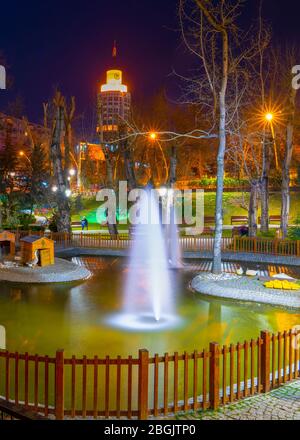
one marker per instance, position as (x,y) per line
(282,403)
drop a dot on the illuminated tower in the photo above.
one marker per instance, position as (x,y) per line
(113,103)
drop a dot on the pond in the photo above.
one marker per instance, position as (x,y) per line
(75,316)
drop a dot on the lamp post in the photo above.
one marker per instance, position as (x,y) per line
(78,163)
(23,154)
(267,141)
(153,137)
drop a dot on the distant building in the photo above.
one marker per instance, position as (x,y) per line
(114,103)
(14,129)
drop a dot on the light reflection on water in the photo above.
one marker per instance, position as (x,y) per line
(41,319)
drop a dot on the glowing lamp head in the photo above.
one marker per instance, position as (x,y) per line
(21,153)
(72,172)
(152,136)
(269,117)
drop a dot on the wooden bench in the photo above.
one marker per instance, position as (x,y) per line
(240,219)
(209,220)
(272,219)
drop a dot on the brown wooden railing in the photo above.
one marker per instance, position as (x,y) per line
(149,386)
(267,246)
(189,244)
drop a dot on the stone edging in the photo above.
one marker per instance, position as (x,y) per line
(227,256)
(62,271)
(266,296)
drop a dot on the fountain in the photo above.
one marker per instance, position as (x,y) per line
(172,234)
(148,302)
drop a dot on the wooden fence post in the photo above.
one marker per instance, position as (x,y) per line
(265,361)
(143,384)
(234,243)
(214,375)
(298,248)
(59,385)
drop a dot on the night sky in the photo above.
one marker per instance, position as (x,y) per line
(68,44)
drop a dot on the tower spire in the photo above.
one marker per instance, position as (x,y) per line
(114,52)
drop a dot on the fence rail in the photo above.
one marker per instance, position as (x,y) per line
(148,386)
(189,243)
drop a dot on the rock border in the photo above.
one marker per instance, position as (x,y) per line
(205,286)
(61,272)
(287,260)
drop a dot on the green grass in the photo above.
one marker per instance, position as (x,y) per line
(232,205)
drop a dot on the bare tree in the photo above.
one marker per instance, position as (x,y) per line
(68,137)
(63,203)
(210,33)
(290,111)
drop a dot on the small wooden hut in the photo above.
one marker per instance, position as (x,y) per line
(37,249)
(8,241)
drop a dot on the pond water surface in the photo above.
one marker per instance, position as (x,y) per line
(75,316)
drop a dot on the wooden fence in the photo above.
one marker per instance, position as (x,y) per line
(146,386)
(188,244)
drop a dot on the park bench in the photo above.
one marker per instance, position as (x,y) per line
(272,219)
(209,220)
(240,219)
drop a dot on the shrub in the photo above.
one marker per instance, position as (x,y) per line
(25,220)
(294,231)
(229,182)
(53,223)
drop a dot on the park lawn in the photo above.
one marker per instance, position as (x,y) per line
(232,205)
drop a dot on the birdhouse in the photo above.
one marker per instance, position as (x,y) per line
(8,242)
(37,250)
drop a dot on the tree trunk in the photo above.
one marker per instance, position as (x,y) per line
(112,228)
(64,217)
(217,252)
(265,187)
(285,188)
(252,216)
(173,166)
(129,166)
(67,141)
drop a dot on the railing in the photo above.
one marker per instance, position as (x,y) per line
(149,386)
(188,244)
(267,246)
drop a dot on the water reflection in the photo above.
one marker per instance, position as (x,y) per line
(42,318)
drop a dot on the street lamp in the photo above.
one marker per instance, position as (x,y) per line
(152,136)
(22,154)
(269,117)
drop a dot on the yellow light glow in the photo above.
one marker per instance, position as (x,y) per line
(114,82)
(153,136)
(21,153)
(269,117)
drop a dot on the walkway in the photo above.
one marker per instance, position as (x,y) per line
(280,404)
